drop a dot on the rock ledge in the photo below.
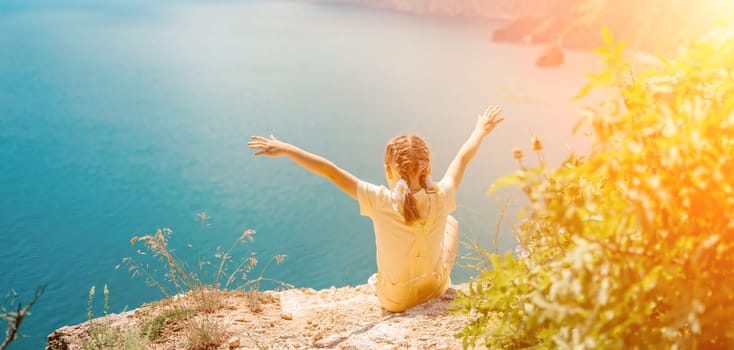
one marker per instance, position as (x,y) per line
(335,318)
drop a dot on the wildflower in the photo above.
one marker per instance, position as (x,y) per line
(537,145)
(247,234)
(401,189)
(517,153)
(521,251)
(661,85)
(588,113)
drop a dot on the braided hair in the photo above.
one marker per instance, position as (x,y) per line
(411,155)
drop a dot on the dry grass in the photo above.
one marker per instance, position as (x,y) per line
(188,315)
(254,300)
(204,299)
(104,336)
(224,272)
(166,319)
(193,296)
(185,319)
(101,334)
(204,333)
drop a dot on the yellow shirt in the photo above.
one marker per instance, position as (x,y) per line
(410,267)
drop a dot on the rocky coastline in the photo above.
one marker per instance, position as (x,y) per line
(334,318)
(655,26)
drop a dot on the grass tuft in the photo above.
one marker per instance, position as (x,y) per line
(101,334)
(191,296)
(204,333)
(154,328)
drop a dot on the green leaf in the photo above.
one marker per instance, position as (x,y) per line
(626,222)
(580,123)
(606,36)
(505,181)
(584,91)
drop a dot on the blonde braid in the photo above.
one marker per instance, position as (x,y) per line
(412,156)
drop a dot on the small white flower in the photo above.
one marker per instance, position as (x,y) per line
(401,189)
(521,251)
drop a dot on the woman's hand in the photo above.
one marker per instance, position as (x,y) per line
(487,121)
(271,147)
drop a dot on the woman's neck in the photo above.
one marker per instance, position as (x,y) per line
(416,186)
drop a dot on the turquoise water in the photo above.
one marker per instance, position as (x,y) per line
(122,117)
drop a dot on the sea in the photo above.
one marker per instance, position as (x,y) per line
(119,118)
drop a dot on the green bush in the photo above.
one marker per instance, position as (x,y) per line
(631,247)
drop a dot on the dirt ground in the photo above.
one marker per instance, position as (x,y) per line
(335,318)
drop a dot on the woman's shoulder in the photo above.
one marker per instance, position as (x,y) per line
(446,190)
(372,188)
(372,193)
(446,185)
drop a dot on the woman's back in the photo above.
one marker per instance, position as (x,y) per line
(410,257)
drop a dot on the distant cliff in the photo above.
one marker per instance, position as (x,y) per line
(465,8)
(653,25)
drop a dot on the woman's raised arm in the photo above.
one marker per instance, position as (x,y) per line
(486,122)
(316,164)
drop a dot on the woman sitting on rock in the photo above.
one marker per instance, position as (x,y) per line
(416,238)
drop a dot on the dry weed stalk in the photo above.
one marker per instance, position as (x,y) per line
(103,335)
(193,299)
(478,257)
(15,314)
(228,272)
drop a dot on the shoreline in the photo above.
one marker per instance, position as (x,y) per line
(412,11)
